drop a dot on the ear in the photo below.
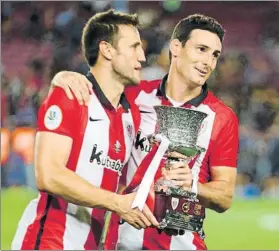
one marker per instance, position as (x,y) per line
(175,47)
(105,49)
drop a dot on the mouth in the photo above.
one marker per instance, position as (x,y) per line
(201,72)
(138,68)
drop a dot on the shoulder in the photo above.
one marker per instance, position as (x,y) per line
(147,86)
(57,104)
(58,97)
(59,114)
(221,110)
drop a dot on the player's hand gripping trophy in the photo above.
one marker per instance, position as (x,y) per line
(175,208)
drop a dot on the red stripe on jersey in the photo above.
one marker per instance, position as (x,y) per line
(151,237)
(52,230)
(33,229)
(42,223)
(112,233)
(165,102)
(118,149)
(123,177)
(198,242)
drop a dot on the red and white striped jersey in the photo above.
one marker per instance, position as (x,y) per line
(102,142)
(218,135)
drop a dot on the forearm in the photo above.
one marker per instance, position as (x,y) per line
(74,189)
(216,195)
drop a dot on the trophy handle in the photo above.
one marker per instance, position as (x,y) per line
(194,188)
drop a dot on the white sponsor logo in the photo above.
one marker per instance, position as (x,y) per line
(53,117)
(114,165)
(174,203)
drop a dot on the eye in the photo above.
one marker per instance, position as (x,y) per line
(201,49)
(216,55)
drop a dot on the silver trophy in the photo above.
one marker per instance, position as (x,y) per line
(176,208)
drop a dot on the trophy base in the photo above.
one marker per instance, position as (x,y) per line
(178,221)
(179,213)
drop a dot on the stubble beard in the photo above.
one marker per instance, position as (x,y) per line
(121,77)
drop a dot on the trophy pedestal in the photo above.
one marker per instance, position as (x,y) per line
(180,213)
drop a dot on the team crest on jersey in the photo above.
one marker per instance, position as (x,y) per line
(174,202)
(53,117)
(129,129)
(117,147)
(203,127)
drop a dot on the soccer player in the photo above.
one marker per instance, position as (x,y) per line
(195,47)
(81,150)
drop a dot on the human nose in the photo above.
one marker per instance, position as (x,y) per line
(207,60)
(141,56)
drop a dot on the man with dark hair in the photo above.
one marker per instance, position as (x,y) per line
(81,150)
(195,47)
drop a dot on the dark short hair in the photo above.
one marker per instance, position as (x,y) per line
(185,26)
(103,26)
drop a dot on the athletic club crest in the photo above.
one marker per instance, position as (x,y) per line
(117,147)
(174,202)
(203,127)
(129,128)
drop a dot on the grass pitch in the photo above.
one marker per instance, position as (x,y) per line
(248,225)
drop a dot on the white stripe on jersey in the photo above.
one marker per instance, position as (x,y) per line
(76,233)
(27,218)
(129,133)
(183,242)
(92,172)
(131,240)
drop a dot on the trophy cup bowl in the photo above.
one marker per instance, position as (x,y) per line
(176,208)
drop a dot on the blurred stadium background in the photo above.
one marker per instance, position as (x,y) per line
(39,39)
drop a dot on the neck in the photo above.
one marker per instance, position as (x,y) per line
(111,87)
(178,89)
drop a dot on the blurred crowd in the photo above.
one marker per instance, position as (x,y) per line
(40,39)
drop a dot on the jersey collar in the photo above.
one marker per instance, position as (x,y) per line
(101,96)
(195,101)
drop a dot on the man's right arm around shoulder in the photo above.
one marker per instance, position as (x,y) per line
(52,151)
